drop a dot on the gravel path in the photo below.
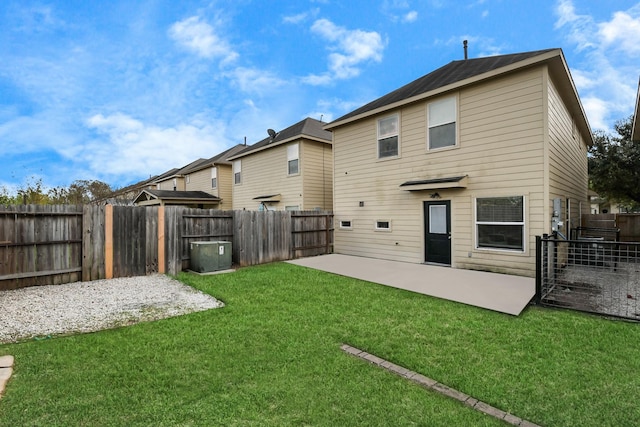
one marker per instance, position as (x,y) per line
(41,311)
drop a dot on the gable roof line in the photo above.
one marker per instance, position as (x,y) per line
(277,143)
(218,159)
(542,57)
(308,128)
(635,124)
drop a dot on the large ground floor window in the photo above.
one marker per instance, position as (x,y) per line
(500,223)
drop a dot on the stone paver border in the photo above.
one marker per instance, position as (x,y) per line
(6,369)
(438,387)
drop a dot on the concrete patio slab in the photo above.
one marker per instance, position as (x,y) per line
(499,292)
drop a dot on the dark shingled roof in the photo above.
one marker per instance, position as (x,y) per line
(308,127)
(451,73)
(217,159)
(170,194)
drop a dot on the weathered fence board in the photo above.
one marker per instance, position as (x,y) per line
(312,233)
(93,255)
(58,244)
(628,224)
(40,245)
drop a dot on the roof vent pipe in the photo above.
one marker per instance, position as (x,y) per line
(464,44)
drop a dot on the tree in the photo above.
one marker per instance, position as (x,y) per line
(614,165)
(33,192)
(80,192)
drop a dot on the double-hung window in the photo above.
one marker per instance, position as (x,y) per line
(388,129)
(293,159)
(214,177)
(237,172)
(441,119)
(500,223)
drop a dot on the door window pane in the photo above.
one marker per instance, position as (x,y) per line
(438,219)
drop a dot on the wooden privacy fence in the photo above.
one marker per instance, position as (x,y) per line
(628,224)
(59,244)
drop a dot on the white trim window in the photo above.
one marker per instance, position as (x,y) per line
(175,184)
(383,225)
(345,224)
(214,177)
(293,159)
(388,132)
(237,172)
(500,223)
(441,119)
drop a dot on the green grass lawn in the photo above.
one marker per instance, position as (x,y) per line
(272,357)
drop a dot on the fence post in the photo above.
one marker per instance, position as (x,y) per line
(538,296)
(161,256)
(108,241)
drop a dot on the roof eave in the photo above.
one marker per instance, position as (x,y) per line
(635,126)
(547,56)
(277,143)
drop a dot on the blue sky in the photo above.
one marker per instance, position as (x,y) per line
(121,90)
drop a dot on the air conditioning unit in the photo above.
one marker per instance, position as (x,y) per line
(207,257)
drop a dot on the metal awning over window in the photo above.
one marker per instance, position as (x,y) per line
(435,183)
(269,198)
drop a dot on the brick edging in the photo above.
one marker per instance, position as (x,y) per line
(438,387)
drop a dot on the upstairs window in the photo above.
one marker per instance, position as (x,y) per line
(388,129)
(237,172)
(214,177)
(293,159)
(441,119)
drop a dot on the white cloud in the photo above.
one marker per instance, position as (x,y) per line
(256,81)
(410,16)
(597,111)
(201,38)
(607,76)
(621,33)
(300,17)
(350,48)
(295,19)
(127,146)
(581,27)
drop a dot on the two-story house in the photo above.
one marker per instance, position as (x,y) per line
(203,183)
(464,166)
(214,176)
(290,169)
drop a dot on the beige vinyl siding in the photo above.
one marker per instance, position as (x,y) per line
(265,173)
(168,184)
(225,184)
(201,181)
(316,166)
(568,170)
(501,134)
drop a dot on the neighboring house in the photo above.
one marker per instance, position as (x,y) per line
(192,199)
(213,176)
(601,205)
(461,167)
(126,195)
(290,169)
(174,179)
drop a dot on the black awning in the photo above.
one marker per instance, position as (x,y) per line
(268,198)
(435,183)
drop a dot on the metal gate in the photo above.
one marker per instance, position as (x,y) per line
(589,274)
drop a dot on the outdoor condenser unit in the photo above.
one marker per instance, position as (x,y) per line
(207,257)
